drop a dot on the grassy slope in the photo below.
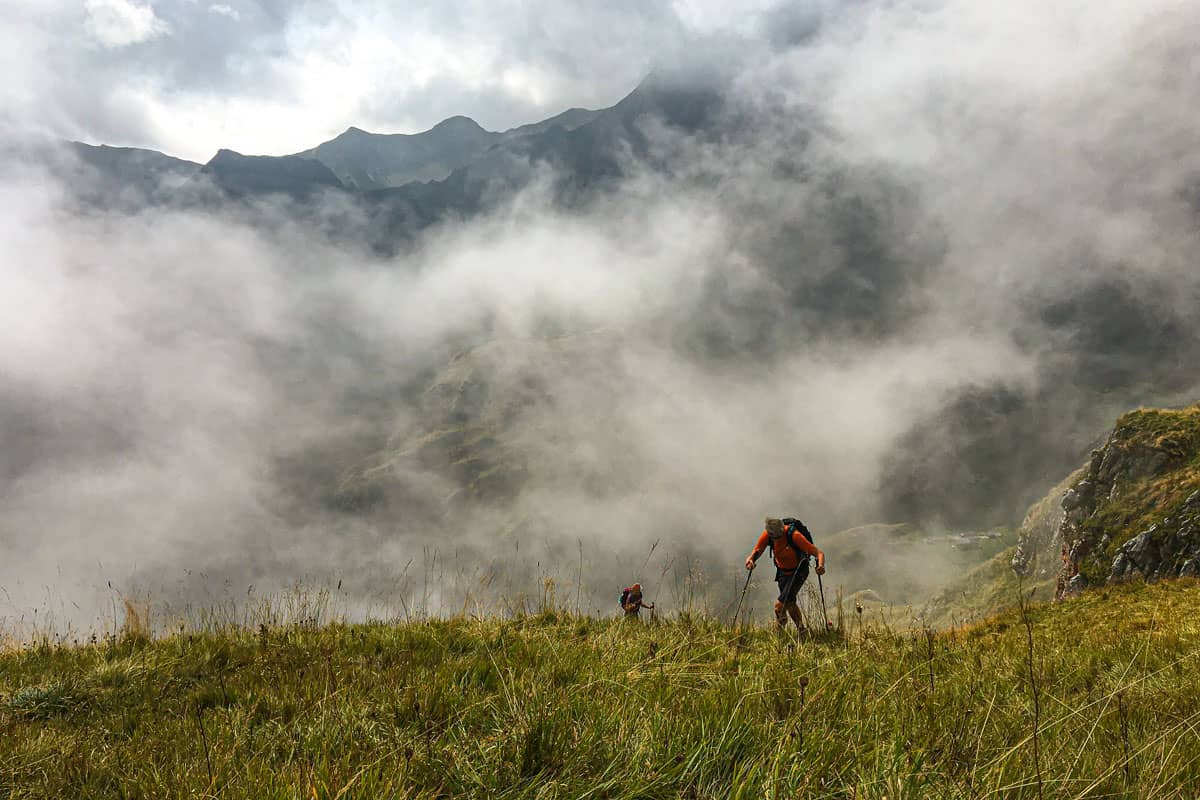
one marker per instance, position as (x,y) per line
(554,706)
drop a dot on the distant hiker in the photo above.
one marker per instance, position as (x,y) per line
(791,545)
(631,601)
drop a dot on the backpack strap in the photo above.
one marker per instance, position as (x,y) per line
(802,558)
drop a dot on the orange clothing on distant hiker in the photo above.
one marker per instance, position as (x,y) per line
(785,556)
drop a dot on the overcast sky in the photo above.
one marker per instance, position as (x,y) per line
(277,76)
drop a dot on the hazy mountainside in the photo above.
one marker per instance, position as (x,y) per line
(456,168)
(494,425)
(368,161)
(153,172)
(568,120)
(574,164)
(552,704)
(901,564)
(533,436)
(1025,571)
(516,410)
(1122,345)
(375,161)
(815,249)
(241,175)
(115,178)
(405,183)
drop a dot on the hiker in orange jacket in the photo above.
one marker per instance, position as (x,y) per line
(631,601)
(790,550)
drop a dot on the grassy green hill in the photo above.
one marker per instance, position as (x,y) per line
(1105,705)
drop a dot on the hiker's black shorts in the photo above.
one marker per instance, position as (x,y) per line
(790,582)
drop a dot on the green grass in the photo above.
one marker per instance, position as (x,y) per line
(559,706)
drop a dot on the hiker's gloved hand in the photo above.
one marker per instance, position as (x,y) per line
(820,570)
(749,563)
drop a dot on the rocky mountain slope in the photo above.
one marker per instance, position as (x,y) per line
(1136,510)
(1133,511)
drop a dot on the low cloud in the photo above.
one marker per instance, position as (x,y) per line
(121,23)
(225,11)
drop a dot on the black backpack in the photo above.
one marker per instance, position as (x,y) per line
(791,524)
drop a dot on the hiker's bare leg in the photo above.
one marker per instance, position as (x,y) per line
(780,615)
(793,611)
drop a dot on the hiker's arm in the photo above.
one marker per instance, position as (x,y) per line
(810,548)
(759,547)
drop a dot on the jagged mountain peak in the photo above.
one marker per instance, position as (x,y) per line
(225,154)
(458,122)
(369,161)
(452,124)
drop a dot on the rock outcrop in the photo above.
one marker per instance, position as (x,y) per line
(1136,509)
(1039,541)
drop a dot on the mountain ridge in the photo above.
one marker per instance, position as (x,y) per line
(588,142)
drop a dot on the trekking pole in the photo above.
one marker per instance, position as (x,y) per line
(738,612)
(824,615)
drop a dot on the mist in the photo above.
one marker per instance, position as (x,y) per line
(937,247)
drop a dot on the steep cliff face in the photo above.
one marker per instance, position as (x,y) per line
(1136,510)
(1039,541)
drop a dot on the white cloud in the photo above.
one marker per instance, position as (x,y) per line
(717,15)
(225,10)
(120,23)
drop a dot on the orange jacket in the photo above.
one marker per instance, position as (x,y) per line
(785,557)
